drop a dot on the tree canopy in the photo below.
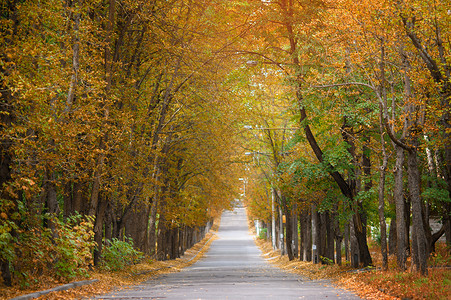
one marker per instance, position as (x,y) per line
(134,120)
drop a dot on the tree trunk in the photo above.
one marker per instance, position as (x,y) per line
(98,228)
(315,235)
(303,236)
(109,222)
(354,246)
(408,214)
(401,253)
(277,227)
(281,233)
(338,237)
(75,58)
(381,207)
(295,233)
(6,273)
(152,228)
(306,235)
(329,253)
(419,241)
(382,222)
(79,203)
(135,225)
(288,228)
(68,200)
(347,235)
(447,223)
(392,237)
(52,203)
(321,236)
(161,238)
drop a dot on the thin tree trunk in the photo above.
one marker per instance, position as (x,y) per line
(321,237)
(338,237)
(347,242)
(295,232)
(303,236)
(288,228)
(75,58)
(109,222)
(419,241)
(161,238)
(330,237)
(68,200)
(381,207)
(98,228)
(52,203)
(392,237)
(401,253)
(308,240)
(354,246)
(315,239)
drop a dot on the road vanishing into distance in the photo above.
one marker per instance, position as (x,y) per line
(233,268)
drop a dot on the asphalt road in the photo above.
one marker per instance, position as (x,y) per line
(232,269)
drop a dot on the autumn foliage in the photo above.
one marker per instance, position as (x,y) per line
(115,126)
(133,120)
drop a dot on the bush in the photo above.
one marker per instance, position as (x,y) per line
(66,253)
(263,233)
(120,254)
(74,247)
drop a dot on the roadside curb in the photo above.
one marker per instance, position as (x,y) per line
(63,287)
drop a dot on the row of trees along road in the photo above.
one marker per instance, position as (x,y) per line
(119,118)
(368,87)
(115,122)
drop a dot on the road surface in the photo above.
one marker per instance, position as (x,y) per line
(232,269)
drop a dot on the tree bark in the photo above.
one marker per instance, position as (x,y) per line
(52,203)
(419,240)
(288,228)
(306,235)
(98,228)
(315,235)
(303,236)
(354,246)
(323,240)
(347,242)
(401,253)
(392,237)
(330,237)
(295,232)
(75,58)
(381,206)
(338,237)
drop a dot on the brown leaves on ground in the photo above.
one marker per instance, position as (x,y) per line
(109,281)
(372,283)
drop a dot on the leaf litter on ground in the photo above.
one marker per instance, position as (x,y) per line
(109,281)
(370,283)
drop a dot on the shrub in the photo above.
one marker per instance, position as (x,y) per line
(119,254)
(66,253)
(263,233)
(74,247)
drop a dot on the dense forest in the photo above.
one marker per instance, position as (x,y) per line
(140,121)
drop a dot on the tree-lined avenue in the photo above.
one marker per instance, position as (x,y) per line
(233,268)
